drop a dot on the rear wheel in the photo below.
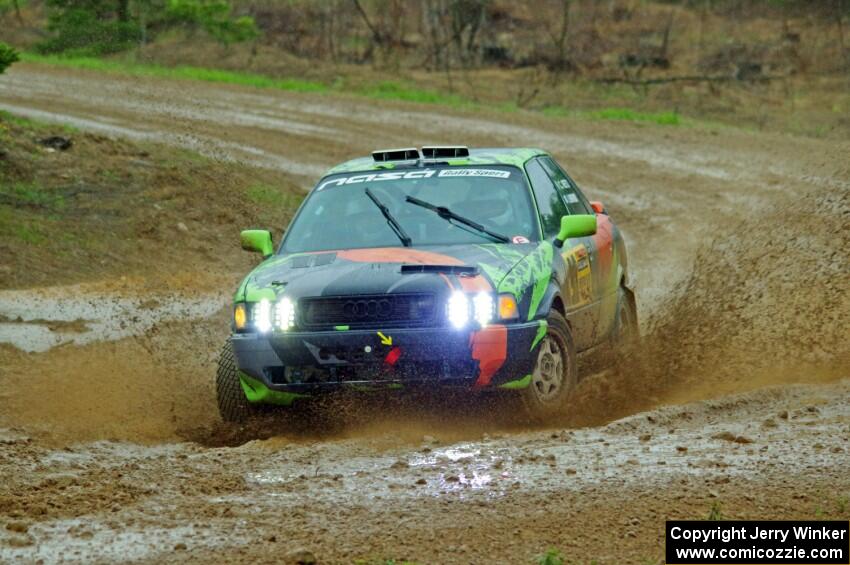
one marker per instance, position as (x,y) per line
(625,339)
(232,404)
(555,374)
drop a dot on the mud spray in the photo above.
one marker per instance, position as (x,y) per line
(767,303)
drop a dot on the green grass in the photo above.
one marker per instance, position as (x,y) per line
(15,225)
(386,90)
(383,562)
(265,195)
(29,235)
(618,114)
(17,120)
(391,90)
(31,125)
(716,513)
(29,194)
(180,72)
(553,556)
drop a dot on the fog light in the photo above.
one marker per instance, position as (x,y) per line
(483,306)
(263,315)
(507,307)
(240,317)
(284,317)
(458,309)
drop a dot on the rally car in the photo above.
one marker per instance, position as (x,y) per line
(485,269)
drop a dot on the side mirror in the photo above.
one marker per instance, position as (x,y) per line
(259,241)
(598,207)
(580,225)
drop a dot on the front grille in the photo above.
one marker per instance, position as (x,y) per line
(378,311)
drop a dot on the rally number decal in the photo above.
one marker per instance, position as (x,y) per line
(579,277)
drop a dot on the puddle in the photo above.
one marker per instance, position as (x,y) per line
(87,541)
(36,321)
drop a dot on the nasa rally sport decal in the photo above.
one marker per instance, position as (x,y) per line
(415,175)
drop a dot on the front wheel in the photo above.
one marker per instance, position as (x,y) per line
(232,404)
(555,374)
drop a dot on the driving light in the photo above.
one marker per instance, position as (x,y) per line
(263,315)
(483,308)
(284,314)
(458,309)
(240,317)
(507,307)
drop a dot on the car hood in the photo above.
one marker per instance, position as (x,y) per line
(433,269)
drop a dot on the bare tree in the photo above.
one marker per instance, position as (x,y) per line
(467,18)
(558,35)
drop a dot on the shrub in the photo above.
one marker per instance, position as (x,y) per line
(99,27)
(7,56)
(86,28)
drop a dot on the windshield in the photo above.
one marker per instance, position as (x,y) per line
(340,214)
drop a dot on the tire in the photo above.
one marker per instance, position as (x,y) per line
(555,373)
(232,404)
(625,337)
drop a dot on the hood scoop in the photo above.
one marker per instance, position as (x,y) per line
(317,260)
(459,270)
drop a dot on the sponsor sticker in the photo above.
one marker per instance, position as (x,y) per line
(492,173)
(414,175)
(520,239)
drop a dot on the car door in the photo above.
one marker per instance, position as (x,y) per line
(601,248)
(577,288)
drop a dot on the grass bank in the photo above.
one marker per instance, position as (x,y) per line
(381,90)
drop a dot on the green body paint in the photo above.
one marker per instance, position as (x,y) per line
(258,393)
(517,384)
(542,330)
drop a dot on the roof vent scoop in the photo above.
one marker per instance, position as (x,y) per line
(445,151)
(405,154)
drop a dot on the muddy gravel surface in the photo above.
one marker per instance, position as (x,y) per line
(111,448)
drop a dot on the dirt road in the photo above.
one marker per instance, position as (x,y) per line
(111,449)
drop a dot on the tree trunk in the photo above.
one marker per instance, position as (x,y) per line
(561,42)
(123,10)
(18,15)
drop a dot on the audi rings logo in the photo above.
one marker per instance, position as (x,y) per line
(368,309)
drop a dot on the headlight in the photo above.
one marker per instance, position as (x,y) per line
(461,310)
(279,316)
(458,309)
(483,308)
(284,314)
(263,315)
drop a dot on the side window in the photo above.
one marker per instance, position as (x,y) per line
(549,202)
(576,202)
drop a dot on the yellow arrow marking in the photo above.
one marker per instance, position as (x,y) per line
(385,340)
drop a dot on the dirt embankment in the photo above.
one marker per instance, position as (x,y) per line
(77,206)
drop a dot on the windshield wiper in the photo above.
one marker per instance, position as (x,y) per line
(397,229)
(448,215)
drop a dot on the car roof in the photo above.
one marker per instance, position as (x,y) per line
(516,156)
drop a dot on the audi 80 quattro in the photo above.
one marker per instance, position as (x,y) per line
(440,266)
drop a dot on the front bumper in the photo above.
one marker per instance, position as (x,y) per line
(305,362)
